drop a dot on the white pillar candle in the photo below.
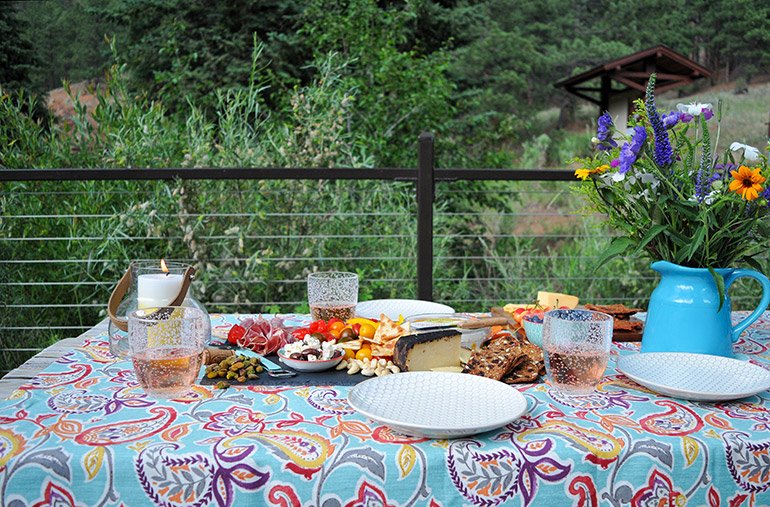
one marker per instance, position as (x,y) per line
(158,289)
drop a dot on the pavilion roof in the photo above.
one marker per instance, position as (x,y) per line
(633,71)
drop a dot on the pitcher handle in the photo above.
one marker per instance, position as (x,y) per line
(762,279)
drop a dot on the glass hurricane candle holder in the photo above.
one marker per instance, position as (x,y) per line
(150,286)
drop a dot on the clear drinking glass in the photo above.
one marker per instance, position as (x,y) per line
(577,348)
(166,346)
(332,294)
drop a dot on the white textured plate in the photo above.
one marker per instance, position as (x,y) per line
(395,307)
(438,404)
(698,377)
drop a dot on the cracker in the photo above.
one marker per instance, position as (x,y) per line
(619,311)
(496,360)
(627,325)
(526,372)
(384,350)
(388,330)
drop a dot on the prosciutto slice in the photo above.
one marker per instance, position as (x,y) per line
(263,336)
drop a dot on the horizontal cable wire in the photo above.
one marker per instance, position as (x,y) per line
(180,238)
(302,280)
(317,214)
(228,215)
(327,236)
(189,261)
(313,259)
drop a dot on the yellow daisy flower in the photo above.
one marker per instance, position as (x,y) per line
(584,173)
(747,182)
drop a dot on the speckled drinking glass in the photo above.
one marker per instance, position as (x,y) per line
(166,346)
(332,294)
(576,344)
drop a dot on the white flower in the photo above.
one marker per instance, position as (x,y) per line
(649,180)
(693,108)
(749,152)
(711,197)
(618,176)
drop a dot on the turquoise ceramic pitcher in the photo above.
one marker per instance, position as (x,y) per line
(683,316)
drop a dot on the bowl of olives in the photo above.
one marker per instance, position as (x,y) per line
(310,355)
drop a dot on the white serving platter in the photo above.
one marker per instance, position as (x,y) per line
(697,377)
(395,307)
(438,404)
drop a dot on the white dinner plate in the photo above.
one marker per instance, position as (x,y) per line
(395,307)
(698,377)
(438,404)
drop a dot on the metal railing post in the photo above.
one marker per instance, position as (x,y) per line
(425,197)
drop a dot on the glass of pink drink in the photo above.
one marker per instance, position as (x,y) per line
(576,344)
(166,346)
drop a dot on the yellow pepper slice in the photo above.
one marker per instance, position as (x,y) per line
(362,321)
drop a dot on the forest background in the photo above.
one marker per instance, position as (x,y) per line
(318,83)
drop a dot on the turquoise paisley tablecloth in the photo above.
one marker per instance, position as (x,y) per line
(83,433)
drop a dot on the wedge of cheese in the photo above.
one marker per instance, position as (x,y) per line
(555,300)
(426,351)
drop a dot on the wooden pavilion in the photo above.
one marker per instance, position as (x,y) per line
(622,81)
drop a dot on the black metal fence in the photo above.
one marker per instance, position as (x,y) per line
(425,175)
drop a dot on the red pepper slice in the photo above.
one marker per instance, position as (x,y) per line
(236,333)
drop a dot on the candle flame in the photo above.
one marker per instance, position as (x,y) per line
(163,266)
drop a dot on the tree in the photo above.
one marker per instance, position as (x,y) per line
(16,49)
(189,48)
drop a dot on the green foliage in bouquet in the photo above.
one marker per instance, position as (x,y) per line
(671,194)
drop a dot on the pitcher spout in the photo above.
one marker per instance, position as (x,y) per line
(663,267)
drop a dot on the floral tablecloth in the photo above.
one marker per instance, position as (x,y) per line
(84,433)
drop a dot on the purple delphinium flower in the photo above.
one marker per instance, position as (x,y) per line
(629,152)
(627,158)
(670,119)
(604,133)
(722,171)
(637,139)
(663,152)
(701,187)
(766,196)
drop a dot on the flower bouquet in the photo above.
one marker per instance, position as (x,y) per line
(670,193)
(694,210)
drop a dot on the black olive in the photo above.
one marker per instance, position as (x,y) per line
(296,355)
(314,352)
(318,336)
(347,334)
